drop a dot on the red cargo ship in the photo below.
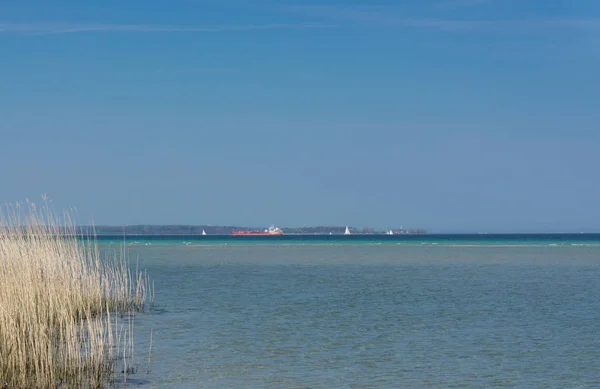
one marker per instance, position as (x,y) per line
(269,231)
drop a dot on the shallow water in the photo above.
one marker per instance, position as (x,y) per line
(370,316)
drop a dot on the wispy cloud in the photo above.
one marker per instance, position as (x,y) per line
(377,17)
(69,28)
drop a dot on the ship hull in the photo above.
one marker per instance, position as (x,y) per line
(258,233)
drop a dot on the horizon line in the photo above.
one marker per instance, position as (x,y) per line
(422,230)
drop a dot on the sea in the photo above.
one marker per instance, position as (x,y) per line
(381,312)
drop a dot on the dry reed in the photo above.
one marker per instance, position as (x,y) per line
(61,303)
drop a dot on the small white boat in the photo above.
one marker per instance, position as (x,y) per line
(347,232)
(203,232)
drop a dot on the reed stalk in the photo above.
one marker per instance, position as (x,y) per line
(60,303)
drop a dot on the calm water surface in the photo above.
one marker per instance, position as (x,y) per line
(370,316)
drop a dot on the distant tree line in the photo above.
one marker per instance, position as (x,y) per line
(223,230)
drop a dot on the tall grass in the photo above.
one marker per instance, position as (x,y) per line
(61,304)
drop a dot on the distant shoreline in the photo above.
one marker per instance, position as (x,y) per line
(271,236)
(227,230)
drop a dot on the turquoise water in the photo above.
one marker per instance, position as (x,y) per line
(399,239)
(370,314)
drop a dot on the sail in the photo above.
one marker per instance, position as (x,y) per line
(347,232)
(203,232)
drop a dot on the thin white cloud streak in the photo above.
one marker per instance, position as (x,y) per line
(379,18)
(70,28)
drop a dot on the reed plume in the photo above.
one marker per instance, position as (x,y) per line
(60,303)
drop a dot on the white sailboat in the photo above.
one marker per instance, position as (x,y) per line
(347,232)
(390,232)
(203,232)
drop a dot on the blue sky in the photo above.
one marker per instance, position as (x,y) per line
(451,115)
